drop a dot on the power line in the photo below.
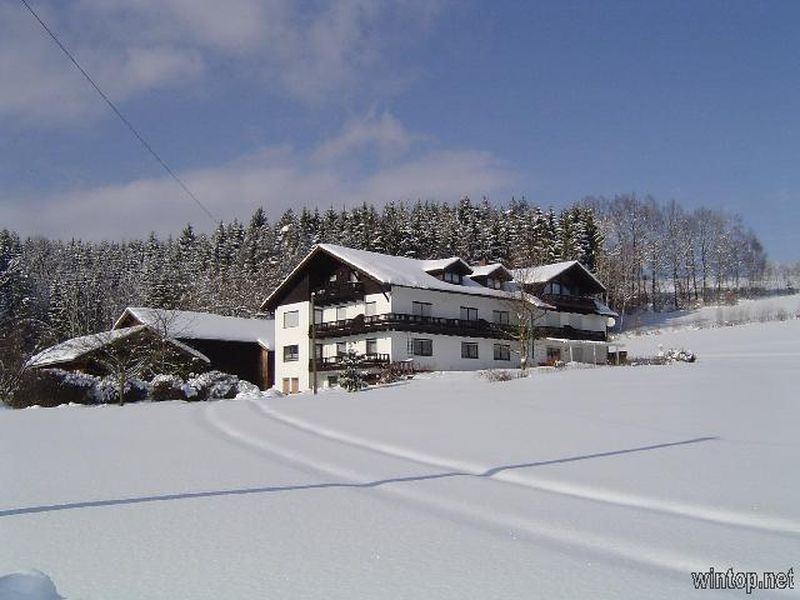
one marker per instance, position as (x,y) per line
(119,114)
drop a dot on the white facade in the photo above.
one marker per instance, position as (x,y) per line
(415,299)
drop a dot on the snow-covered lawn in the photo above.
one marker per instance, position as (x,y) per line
(585,483)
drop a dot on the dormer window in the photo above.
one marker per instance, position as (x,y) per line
(556,289)
(453,277)
(495,284)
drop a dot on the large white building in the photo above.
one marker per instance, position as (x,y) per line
(432,314)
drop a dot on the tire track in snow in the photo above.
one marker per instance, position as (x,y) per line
(567,541)
(773,525)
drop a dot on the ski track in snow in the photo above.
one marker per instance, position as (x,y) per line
(768,524)
(635,555)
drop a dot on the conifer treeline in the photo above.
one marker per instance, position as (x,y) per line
(649,254)
(77,287)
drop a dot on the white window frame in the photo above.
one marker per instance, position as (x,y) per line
(505,352)
(469,313)
(423,342)
(291,319)
(466,346)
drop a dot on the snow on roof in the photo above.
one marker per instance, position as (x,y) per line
(190,325)
(441,264)
(74,348)
(409,272)
(486,270)
(544,273)
(603,309)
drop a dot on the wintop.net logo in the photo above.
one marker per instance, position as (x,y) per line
(748,581)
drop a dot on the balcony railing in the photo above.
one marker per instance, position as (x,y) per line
(334,363)
(571,333)
(571,303)
(348,291)
(414,323)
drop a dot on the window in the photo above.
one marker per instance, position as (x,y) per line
(332,277)
(317,350)
(291,353)
(493,283)
(553,354)
(341,348)
(372,346)
(317,316)
(341,313)
(469,350)
(501,317)
(469,314)
(556,289)
(370,308)
(422,347)
(421,309)
(502,352)
(291,318)
(453,277)
(333,380)
(353,277)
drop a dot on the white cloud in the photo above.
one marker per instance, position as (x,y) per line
(319,54)
(384,132)
(276,178)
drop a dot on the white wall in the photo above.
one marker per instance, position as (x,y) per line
(288,336)
(447,304)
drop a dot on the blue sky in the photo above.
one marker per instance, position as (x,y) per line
(279,103)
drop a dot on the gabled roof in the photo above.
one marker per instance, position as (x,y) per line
(397,271)
(487,270)
(190,325)
(445,264)
(74,348)
(544,273)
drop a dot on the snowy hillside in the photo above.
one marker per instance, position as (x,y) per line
(771,308)
(585,483)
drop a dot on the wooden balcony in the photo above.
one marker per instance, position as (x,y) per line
(571,303)
(570,333)
(339,293)
(413,323)
(334,363)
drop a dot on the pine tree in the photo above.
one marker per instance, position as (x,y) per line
(352,378)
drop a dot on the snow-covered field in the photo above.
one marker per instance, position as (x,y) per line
(581,483)
(770,308)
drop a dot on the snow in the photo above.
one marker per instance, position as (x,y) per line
(608,482)
(486,270)
(74,348)
(405,272)
(192,325)
(770,308)
(31,585)
(544,273)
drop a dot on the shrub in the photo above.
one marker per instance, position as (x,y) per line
(106,390)
(167,387)
(211,385)
(352,378)
(53,387)
(494,375)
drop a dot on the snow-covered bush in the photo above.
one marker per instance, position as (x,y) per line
(353,377)
(665,357)
(167,387)
(494,375)
(212,385)
(106,391)
(52,387)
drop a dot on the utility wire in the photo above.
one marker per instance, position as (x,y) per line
(117,112)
